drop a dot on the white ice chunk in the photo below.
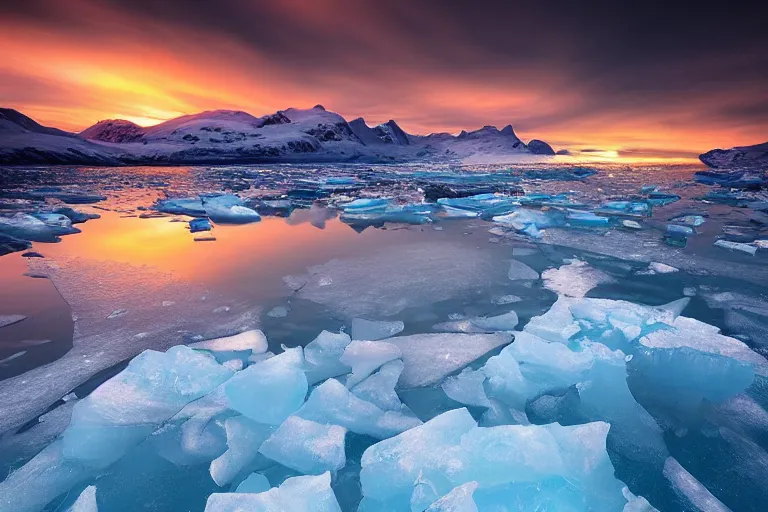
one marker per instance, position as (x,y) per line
(86,502)
(244,437)
(253,340)
(574,279)
(364,357)
(323,354)
(130,406)
(297,494)
(736,246)
(372,330)
(557,324)
(519,271)
(306,446)
(691,489)
(429,358)
(332,403)
(379,388)
(503,322)
(691,333)
(458,500)
(467,388)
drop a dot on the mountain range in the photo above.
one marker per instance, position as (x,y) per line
(227,136)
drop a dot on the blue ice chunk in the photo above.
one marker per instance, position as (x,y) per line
(374,330)
(322,356)
(244,437)
(332,403)
(586,219)
(676,229)
(199,224)
(451,450)
(467,388)
(504,322)
(729,198)
(228,209)
(255,483)
(296,494)
(76,216)
(130,406)
(379,388)
(271,390)
(364,357)
(479,202)
(407,214)
(531,221)
(686,485)
(736,246)
(662,198)
(192,206)
(449,212)
(732,179)
(340,180)
(279,207)
(86,502)
(365,205)
(306,446)
(690,220)
(567,174)
(645,189)
(27,227)
(115,417)
(458,500)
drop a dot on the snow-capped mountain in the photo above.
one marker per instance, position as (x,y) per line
(25,142)
(745,156)
(227,136)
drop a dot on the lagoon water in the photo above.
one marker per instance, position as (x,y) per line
(137,278)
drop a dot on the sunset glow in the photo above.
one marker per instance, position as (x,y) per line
(87,61)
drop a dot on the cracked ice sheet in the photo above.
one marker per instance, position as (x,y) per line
(95,290)
(400,276)
(574,279)
(646,246)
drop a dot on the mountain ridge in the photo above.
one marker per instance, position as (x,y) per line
(233,136)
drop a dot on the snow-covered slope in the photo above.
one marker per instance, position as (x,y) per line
(746,156)
(114,130)
(25,142)
(227,136)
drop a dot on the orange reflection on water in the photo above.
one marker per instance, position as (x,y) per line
(168,246)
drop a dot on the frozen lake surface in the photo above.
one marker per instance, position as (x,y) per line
(524,338)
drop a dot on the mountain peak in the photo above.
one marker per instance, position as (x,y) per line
(113,130)
(29,124)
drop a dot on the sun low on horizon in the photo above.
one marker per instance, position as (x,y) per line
(576,81)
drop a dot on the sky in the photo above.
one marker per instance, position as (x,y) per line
(655,79)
